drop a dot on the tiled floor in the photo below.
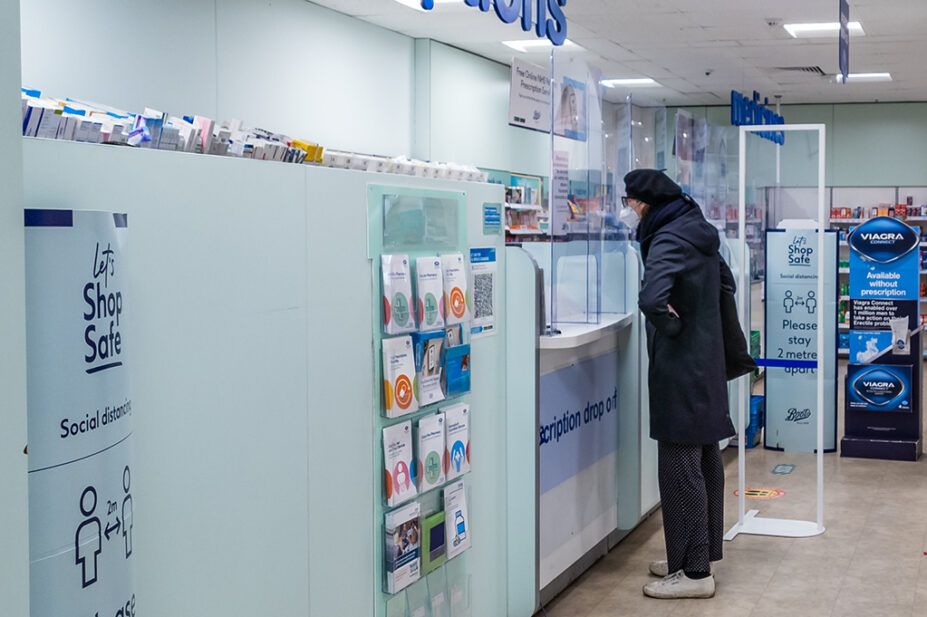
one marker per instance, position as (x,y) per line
(871,561)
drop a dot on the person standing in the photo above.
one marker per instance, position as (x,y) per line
(682,296)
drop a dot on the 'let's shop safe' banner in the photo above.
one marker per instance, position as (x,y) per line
(81,509)
(792,309)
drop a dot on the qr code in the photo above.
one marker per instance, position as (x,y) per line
(482,295)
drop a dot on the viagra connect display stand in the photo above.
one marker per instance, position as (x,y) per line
(749,522)
(884,379)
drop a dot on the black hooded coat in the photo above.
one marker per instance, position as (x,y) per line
(688,376)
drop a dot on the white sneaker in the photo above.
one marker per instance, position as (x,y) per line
(677,585)
(661,568)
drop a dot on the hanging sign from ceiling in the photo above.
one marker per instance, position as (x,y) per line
(843,43)
(553,27)
(747,112)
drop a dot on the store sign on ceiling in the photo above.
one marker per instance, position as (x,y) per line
(553,27)
(750,112)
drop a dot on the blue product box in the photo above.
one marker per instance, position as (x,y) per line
(879,387)
(457,370)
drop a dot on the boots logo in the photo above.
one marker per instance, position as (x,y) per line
(878,387)
(883,240)
(797,416)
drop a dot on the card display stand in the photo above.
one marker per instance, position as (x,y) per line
(416,223)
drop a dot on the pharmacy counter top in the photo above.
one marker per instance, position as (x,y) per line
(576,335)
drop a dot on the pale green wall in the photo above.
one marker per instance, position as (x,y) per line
(14,532)
(468,106)
(871,144)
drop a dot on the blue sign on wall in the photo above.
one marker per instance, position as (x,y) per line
(553,27)
(750,112)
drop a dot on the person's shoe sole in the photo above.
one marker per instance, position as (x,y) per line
(675,596)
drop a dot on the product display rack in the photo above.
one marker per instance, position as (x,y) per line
(526,214)
(451,581)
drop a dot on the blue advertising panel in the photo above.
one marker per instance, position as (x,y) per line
(884,283)
(792,308)
(882,400)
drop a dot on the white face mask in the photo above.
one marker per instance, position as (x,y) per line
(629,217)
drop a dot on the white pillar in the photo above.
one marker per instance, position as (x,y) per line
(14,532)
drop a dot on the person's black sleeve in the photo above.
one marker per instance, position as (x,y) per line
(728,284)
(664,262)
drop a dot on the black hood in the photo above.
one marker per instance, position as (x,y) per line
(682,218)
(694,229)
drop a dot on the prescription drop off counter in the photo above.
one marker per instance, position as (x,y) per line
(592,464)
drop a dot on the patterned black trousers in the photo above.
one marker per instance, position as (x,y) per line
(692,492)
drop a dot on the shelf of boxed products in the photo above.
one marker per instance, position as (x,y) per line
(858,221)
(74,120)
(525,231)
(534,207)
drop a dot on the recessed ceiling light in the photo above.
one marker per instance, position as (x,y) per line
(417,4)
(865,77)
(529,45)
(823,29)
(640,82)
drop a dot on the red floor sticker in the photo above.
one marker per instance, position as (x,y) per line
(762,493)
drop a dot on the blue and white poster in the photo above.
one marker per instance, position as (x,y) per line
(570,109)
(792,309)
(81,505)
(578,440)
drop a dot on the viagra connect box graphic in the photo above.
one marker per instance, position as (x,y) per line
(879,387)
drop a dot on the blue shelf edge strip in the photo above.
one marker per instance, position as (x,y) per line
(768,363)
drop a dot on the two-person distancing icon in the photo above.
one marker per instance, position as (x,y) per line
(790,303)
(88,540)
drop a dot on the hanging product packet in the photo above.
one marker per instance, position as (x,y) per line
(397,461)
(456,291)
(457,452)
(399,377)
(429,439)
(402,529)
(457,519)
(429,292)
(429,366)
(397,294)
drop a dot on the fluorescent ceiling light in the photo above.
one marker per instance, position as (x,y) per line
(824,29)
(865,77)
(417,4)
(641,82)
(527,45)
